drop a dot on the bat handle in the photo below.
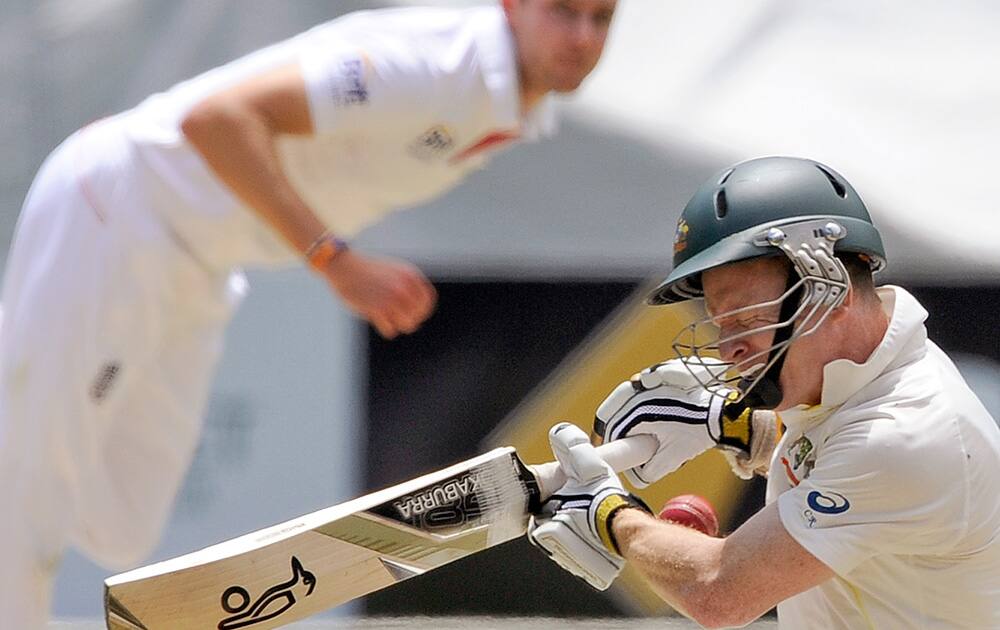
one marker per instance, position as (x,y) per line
(620,454)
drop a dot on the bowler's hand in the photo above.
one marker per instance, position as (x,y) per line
(393,295)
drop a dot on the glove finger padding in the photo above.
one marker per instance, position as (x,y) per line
(683,375)
(565,529)
(576,455)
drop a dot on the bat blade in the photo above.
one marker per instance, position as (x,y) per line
(290,571)
(287,572)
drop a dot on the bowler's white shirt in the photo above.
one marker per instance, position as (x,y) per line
(892,481)
(405,102)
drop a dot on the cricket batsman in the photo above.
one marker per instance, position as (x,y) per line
(882,465)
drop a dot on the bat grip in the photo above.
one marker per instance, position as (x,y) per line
(620,454)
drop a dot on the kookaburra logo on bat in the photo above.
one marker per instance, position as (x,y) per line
(270,604)
(448,493)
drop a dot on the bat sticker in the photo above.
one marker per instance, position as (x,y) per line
(272,603)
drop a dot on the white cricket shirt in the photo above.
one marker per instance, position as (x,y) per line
(405,103)
(892,481)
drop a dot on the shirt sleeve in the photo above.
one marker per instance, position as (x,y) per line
(351,87)
(877,490)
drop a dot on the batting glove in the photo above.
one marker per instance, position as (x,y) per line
(668,402)
(574,525)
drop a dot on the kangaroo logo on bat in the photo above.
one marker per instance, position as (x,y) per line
(271,603)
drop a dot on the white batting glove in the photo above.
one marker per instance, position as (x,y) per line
(668,402)
(574,526)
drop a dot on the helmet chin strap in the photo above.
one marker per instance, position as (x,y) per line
(767,394)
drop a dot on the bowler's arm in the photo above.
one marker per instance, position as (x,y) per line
(235,131)
(720,582)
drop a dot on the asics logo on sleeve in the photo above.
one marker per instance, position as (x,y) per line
(829,503)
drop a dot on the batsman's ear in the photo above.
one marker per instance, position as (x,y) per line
(846,304)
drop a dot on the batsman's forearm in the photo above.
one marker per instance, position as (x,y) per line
(680,564)
(239,147)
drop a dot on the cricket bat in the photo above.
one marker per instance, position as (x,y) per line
(290,571)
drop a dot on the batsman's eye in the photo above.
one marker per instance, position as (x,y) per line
(748,322)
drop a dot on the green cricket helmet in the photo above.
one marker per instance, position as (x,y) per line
(769,206)
(731,216)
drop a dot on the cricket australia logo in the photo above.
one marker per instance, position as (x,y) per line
(799,460)
(450,493)
(272,603)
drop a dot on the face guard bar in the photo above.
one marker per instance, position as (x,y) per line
(822,286)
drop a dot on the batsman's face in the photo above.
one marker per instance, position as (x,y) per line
(559,41)
(743,297)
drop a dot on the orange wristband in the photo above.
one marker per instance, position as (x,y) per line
(323,250)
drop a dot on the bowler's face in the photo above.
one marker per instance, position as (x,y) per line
(559,41)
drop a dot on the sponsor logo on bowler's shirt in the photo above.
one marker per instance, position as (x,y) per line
(350,86)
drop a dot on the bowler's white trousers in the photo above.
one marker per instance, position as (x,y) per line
(110,335)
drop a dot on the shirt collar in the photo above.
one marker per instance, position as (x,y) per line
(903,342)
(498,60)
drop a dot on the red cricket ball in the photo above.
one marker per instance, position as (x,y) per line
(692,511)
